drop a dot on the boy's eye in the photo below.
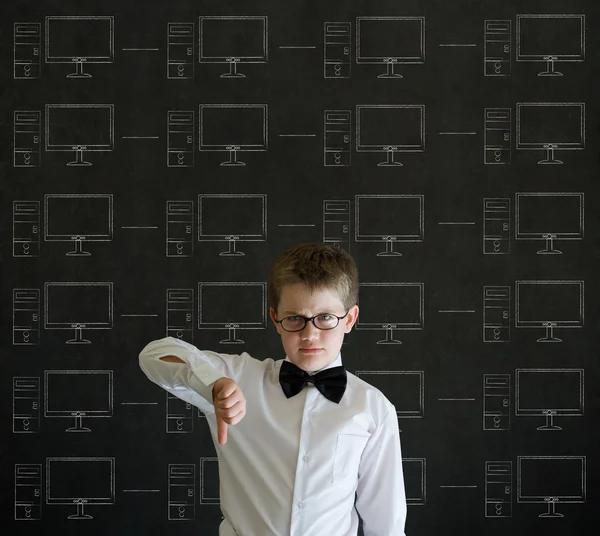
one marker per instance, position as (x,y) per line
(325,316)
(294,318)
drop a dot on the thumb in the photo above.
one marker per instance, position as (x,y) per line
(221,430)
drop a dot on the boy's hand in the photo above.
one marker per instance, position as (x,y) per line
(230,405)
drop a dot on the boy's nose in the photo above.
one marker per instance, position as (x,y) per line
(310,331)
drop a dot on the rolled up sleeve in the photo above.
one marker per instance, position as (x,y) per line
(193,380)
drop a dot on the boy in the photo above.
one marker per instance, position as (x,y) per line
(308,434)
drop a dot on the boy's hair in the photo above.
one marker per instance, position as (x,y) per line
(318,266)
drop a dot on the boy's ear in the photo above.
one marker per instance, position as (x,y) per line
(273,316)
(351,318)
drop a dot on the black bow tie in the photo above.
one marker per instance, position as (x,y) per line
(331,382)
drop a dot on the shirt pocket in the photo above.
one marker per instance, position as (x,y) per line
(348,451)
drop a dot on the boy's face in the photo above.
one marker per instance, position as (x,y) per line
(297,300)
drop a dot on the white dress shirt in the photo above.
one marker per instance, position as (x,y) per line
(292,466)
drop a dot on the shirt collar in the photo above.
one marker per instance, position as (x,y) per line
(337,362)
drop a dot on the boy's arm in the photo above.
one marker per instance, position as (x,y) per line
(381,499)
(187,372)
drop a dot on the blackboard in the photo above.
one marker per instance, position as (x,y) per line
(153,148)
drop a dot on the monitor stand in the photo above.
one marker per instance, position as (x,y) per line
(550,155)
(389,248)
(231,339)
(389,332)
(233,161)
(390,70)
(549,422)
(78,336)
(550,67)
(79,161)
(78,424)
(233,69)
(232,252)
(80,514)
(549,246)
(78,251)
(79,69)
(390,158)
(549,333)
(551,509)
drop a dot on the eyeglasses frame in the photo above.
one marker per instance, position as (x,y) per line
(312,319)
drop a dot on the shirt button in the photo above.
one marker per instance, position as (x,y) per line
(305,457)
(300,504)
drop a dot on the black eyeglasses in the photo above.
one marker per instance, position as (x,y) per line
(323,321)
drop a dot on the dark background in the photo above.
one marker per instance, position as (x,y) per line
(450,174)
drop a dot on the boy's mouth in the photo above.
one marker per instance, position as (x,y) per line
(310,350)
